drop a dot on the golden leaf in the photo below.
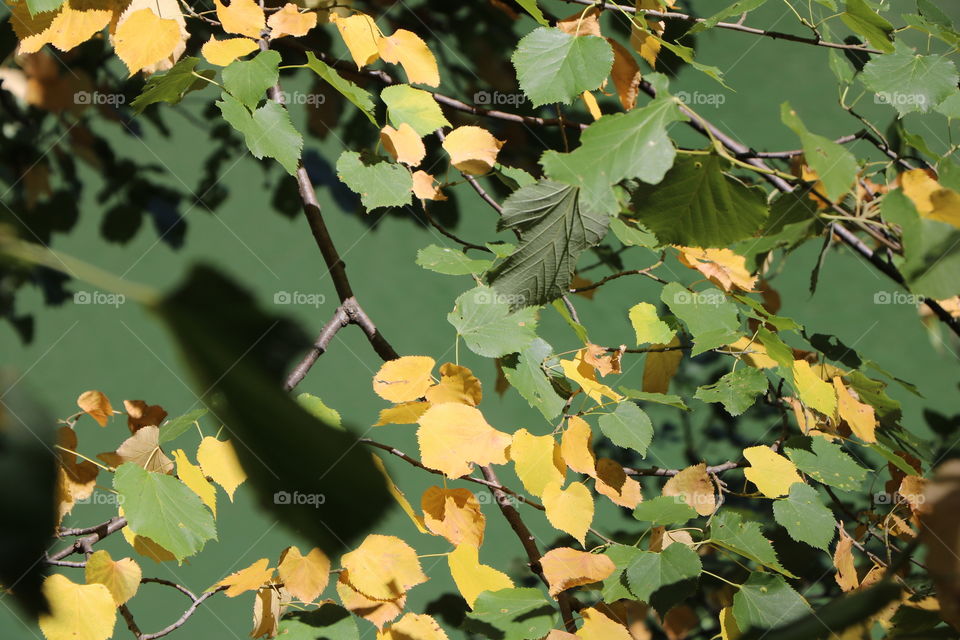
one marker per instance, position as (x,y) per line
(405,413)
(570,510)
(140,414)
(398,495)
(219,461)
(413,626)
(75,22)
(753,353)
(772,473)
(814,392)
(454,514)
(383,567)
(252,578)
(457,384)
(659,367)
(96,405)
(451,436)
(243,17)
(403,144)
(193,476)
(290,22)
(626,75)
(410,51)
(722,267)
(266,613)
(304,576)
(404,379)
(600,359)
(77,611)
(576,446)
(694,486)
(565,568)
(537,461)
(120,577)
(597,626)
(144,39)
(859,417)
(846,575)
(473,578)
(472,150)
(581,23)
(613,482)
(378,612)
(580,371)
(426,187)
(361,35)
(223,52)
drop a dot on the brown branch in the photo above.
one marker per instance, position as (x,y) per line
(339,320)
(657,471)
(85,544)
(439,227)
(131,623)
(183,619)
(783,155)
(632,272)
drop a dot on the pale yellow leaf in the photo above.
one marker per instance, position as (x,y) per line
(613,482)
(410,51)
(579,370)
(919,185)
(590,101)
(361,35)
(289,21)
(452,436)
(219,461)
(383,567)
(647,325)
(644,43)
(457,384)
(304,576)
(193,476)
(426,187)
(660,367)
(728,625)
(860,417)
(404,379)
(167,10)
(243,17)
(223,52)
(753,353)
(771,472)
(946,207)
(472,150)
(537,461)
(413,626)
(565,568)
(378,612)
(473,578)
(75,22)
(454,514)
(570,510)
(814,392)
(597,626)
(77,611)
(399,495)
(96,405)
(252,578)
(266,613)
(404,413)
(576,446)
(144,39)
(722,267)
(694,486)
(121,577)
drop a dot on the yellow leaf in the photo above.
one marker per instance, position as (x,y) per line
(946,207)
(266,613)
(219,462)
(728,625)
(451,436)
(145,546)
(814,392)
(753,353)
(144,39)
(454,514)
(600,359)
(772,473)
(361,35)
(918,185)
(120,577)
(613,482)
(644,43)
(722,267)
(404,379)
(473,578)
(252,578)
(565,568)
(694,486)
(75,22)
(426,187)
(647,326)
(304,576)
(77,611)
(846,575)
(140,414)
(537,461)
(570,510)
(398,495)
(243,17)
(626,75)
(472,150)
(95,405)
(576,446)
(660,367)
(580,371)
(192,476)
(413,626)
(223,52)
(290,22)
(378,612)
(168,10)
(597,626)
(75,481)
(409,51)
(404,144)
(581,23)
(143,449)
(383,567)
(405,413)
(860,417)
(660,538)
(457,384)
(590,101)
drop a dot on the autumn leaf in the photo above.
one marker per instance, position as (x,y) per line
(846,576)
(598,626)
(289,21)
(223,52)
(452,436)
(403,144)
(413,626)
(537,461)
(145,39)
(266,612)
(472,150)
(361,35)
(603,361)
(576,446)
(473,578)
(378,612)
(410,51)
(659,367)
(580,371)
(859,417)
(565,568)
(304,576)
(193,476)
(219,462)
(457,384)
(243,17)
(722,267)
(772,473)
(426,187)
(613,482)
(405,413)
(75,480)
(694,486)
(140,414)
(813,391)
(75,22)
(454,514)
(250,579)
(626,75)
(570,510)
(143,449)
(404,379)
(77,611)
(383,567)
(120,577)
(96,405)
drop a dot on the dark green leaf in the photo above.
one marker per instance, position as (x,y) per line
(248,80)
(360,98)
(172,85)
(765,601)
(664,510)
(663,579)
(737,390)
(268,132)
(805,517)
(868,23)
(511,614)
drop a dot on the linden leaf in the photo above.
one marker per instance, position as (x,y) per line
(406,413)
(361,35)
(219,462)
(290,22)
(814,392)
(75,22)
(613,482)
(413,626)
(142,449)
(859,417)
(553,66)
(565,568)
(457,384)
(379,184)
(145,39)
(598,626)
(266,612)
(660,366)
(416,107)
(537,461)
(472,150)
(694,486)
(570,510)
(772,473)
(426,187)
(244,17)
(140,414)
(580,371)
(77,611)
(75,481)
(412,53)
(473,578)
(96,405)
(120,577)
(383,567)
(846,575)
(378,612)
(223,52)
(403,144)
(454,514)
(193,476)
(722,267)
(304,576)
(576,448)
(648,326)
(404,379)
(626,75)
(451,436)
(252,578)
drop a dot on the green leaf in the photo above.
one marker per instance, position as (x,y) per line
(709,316)
(381,184)
(826,462)
(530,6)
(554,230)
(951,106)
(172,85)
(163,509)
(514,177)
(664,510)
(482,317)
(910,82)
(805,517)
(240,367)
(40,6)
(728,530)
(360,98)
(669,400)
(511,614)
(615,586)
(172,429)
(699,206)
(248,80)
(863,20)
(628,426)
(451,262)
(737,8)
(836,167)
(268,132)
(664,579)
(737,390)
(327,622)
(631,235)
(647,326)
(616,147)
(416,107)
(766,601)
(525,373)
(319,409)
(553,66)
